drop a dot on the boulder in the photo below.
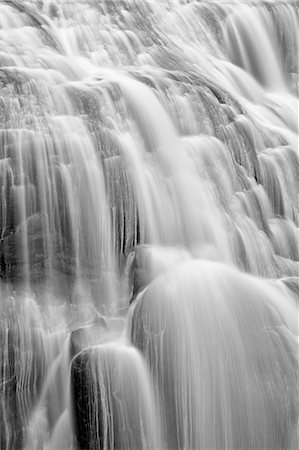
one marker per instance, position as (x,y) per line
(88,335)
(112,401)
(222,357)
(151,260)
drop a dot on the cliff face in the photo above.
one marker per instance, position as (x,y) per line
(104,125)
(148,224)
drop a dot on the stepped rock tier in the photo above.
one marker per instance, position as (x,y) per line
(149,214)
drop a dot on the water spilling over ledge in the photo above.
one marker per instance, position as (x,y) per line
(149,257)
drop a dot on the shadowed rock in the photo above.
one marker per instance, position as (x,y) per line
(149,261)
(84,337)
(112,400)
(23,366)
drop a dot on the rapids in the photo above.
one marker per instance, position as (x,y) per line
(149,254)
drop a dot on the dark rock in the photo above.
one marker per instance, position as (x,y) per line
(149,261)
(22,252)
(292,283)
(140,271)
(53,10)
(224,364)
(23,366)
(84,337)
(109,390)
(25,251)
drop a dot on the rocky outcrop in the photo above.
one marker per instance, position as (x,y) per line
(112,405)
(22,251)
(23,366)
(223,361)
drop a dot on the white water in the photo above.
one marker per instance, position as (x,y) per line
(148,155)
(215,378)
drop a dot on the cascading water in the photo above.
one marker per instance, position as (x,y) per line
(149,224)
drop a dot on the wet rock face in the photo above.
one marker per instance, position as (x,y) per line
(140,271)
(23,365)
(111,407)
(14,264)
(149,261)
(81,378)
(292,283)
(24,252)
(35,19)
(83,337)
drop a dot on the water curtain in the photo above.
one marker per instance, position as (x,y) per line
(149,224)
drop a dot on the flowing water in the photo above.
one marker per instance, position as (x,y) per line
(149,255)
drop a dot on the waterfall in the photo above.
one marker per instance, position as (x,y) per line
(149,257)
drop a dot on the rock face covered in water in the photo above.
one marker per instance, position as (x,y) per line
(149,261)
(79,148)
(23,365)
(228,379)
(148,155)
(112,402)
